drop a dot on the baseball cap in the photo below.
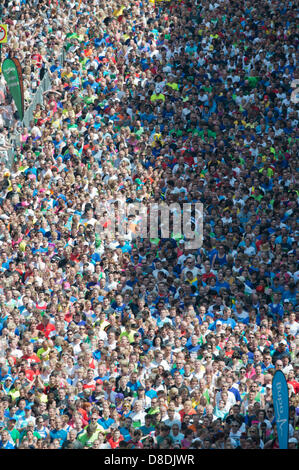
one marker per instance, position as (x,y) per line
(283,341)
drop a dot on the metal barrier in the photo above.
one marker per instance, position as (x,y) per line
(10,153)
(44,85)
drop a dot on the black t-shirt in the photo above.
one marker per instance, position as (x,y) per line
(11,194)
(127,392)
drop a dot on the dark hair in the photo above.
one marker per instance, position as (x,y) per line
(164,427)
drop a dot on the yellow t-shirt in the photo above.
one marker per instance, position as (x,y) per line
(41,356)
(173,85)
(119,12)
(155,97)
(14,394)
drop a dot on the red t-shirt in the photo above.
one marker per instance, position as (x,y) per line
(207,276)
(32,358)
(229,353)
(68,317)
(30,374)
(54,109)
(294,384)
(115,444)
(35,373)
(89,386)
(37,59)
(46,329)
(41,306)
(83,413)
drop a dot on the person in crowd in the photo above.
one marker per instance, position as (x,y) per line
(113,334)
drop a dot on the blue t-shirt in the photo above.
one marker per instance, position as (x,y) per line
(151,393)
(135,386)
(105,377)
(60,434)
(125,433)
(236,392)
(105,423)
(97,355)
(8,445)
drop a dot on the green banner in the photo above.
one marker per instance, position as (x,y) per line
(13,76)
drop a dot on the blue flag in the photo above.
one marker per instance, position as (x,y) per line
(280,394)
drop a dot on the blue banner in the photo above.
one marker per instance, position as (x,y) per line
(280,394)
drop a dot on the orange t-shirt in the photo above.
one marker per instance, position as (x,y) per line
(182,413)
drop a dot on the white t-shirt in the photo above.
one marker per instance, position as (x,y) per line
(138,416)
(231,399)
(294,328)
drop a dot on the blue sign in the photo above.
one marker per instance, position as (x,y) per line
(280,394)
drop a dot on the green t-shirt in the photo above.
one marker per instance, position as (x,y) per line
(88,440)
(253,81)
(35,433)
(153,411)
(14,434)
(89,99)
(14,394)
(130,335)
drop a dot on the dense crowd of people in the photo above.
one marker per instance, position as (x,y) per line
(36,35)
(36,40)
(115,340)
